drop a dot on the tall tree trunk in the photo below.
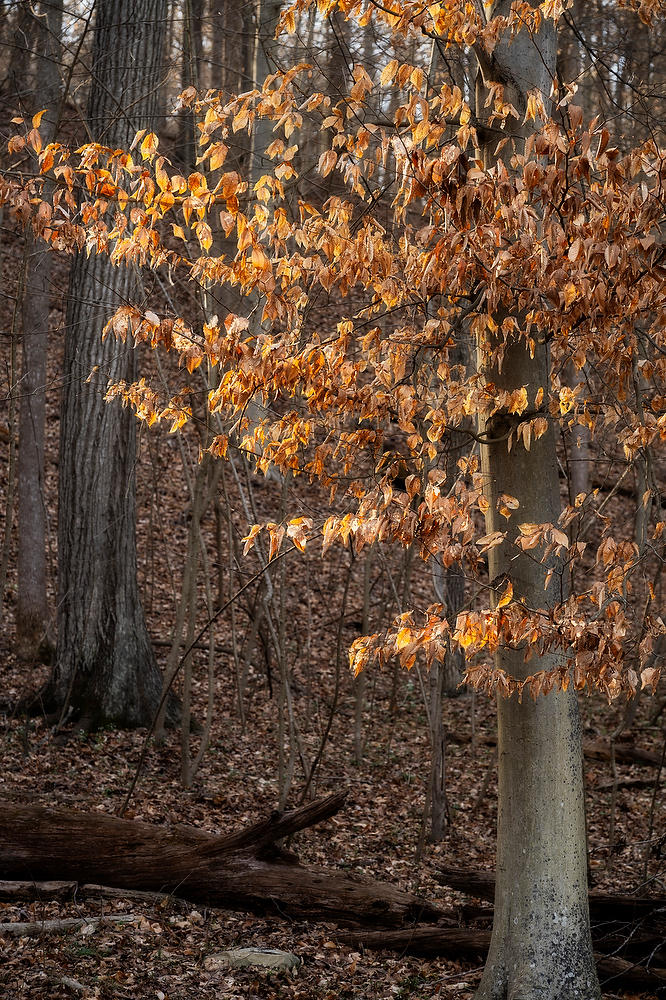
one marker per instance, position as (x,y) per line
(31,607)
(18,72)
(190,76)
(105,668)
(267,13)
(541,945)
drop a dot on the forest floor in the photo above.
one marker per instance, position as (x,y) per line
(167,951)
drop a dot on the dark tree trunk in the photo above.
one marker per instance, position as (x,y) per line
(191,67)
(31,608)
(105,668)
(242,871)
(18,81)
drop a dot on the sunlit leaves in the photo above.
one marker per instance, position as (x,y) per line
(558,243)
(389,72)
(149,145)
(327,161)
(506,596)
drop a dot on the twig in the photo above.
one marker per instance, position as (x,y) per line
(167,688)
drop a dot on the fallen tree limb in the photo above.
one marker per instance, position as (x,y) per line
(65,926)
(429,942)
(246,870)
(627,974)
(625,753)
(29,892)
(603,905)
(608,786)
(460,943)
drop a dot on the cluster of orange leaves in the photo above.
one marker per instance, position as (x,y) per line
(563,242)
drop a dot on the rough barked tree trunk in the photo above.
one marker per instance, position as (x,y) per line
(541,946)
(18,82)
(105,668)
(31,606)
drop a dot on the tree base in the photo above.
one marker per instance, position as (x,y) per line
(46,704)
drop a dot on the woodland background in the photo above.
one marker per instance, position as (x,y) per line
(277,715)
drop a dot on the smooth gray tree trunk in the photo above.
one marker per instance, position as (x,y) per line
(31,607)
(541,945)
(105,668)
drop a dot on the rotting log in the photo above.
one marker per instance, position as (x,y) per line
(19,891)
(39,927)
(60,892)
(429,942)
(433,942)
(246,870)
(603,905)
(625,753)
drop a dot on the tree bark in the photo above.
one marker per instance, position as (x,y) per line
(31,605)
(541,946)
(105,668)
(242,871)
(18,80)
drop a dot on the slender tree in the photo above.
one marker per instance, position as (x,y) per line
(31,605)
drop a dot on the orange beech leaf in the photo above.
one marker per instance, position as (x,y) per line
(327,161)
(217,155)
(650,678)
(276,533)
(149,145)
(35,140)
(45,160)
(507,596)
(389,72)
(250,538)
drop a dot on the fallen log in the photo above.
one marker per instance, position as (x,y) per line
(246,870)
(60,892)
(473,942)
(65,926)
(603,905)
(433,942)
(619,972)
(625,753)
(429,942)
(637,783)
(30,892)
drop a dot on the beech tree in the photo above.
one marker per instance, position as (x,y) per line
(532,234)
